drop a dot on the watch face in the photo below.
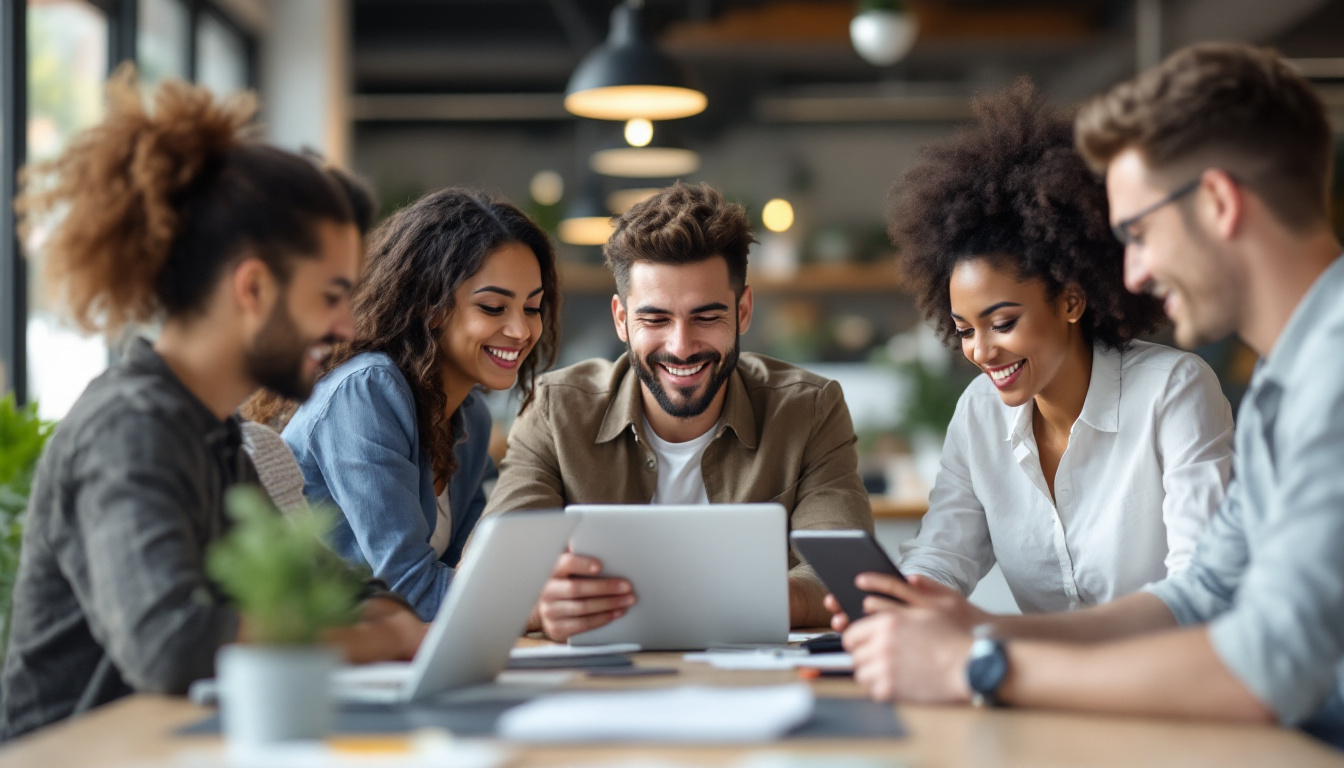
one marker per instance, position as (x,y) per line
(987,667)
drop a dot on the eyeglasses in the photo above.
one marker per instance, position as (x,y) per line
(1121,228)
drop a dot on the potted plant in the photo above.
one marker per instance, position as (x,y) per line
(22,436)
(289,587)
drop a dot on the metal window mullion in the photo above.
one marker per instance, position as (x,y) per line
(13,272)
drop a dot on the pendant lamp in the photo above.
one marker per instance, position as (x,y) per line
(628,77)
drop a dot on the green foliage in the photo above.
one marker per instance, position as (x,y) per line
(281,576)
(22,436)
(933,396)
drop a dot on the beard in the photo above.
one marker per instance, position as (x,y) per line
(276,358)
(690,405)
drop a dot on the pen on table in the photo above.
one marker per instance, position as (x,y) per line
(812,673)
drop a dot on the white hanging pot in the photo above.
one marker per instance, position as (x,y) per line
(883,38)
(270,693)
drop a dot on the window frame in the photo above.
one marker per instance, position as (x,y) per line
(122,18)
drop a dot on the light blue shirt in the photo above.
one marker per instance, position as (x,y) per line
(360,448)
(1268,575)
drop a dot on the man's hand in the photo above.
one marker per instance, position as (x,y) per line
(386,631)
(575,600)
(909,654)
(919,592)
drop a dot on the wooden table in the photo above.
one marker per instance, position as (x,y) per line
(140,728)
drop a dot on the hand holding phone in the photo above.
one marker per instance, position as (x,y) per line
(840,556)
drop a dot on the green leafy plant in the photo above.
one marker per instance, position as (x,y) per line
(280,575)
(22,436)
(933,396)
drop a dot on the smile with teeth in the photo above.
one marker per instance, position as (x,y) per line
(508,355)
(683,371)
(319,352)
(1003,373)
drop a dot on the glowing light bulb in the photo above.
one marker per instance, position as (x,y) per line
(638,132)
(777,215)
(547,187)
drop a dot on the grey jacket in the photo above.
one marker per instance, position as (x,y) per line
(112,595)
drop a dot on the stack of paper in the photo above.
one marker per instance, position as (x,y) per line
(685,714)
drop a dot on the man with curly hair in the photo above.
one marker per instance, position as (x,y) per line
(247,255)
(1217,169)
(684,417)
(1001,232)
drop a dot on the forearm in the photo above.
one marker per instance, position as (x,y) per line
(1174,673)
(1137,614)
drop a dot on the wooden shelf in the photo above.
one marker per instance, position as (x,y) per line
(885,507)
(810,278)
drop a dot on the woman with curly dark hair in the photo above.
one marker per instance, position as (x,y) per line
(459,293)
(1084,463)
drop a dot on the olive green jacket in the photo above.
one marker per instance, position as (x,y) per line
(785,437)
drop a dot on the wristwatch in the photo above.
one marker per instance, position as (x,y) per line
(986,667)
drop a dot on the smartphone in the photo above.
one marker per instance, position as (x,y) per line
(839,556)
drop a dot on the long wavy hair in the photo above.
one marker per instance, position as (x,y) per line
(417,260)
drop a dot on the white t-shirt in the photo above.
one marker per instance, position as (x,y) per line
(679,478)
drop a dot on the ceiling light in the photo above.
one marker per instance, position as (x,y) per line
(547,187)
(623,200)
(638,132)
(628,77)
(777,215)
(883,32)
(645,162)
(586,222)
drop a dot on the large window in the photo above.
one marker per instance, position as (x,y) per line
(67,64)
(163,41)
(71,46)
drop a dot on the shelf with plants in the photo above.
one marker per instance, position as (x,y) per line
(846,277)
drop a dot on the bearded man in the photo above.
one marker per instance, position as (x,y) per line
(683,417)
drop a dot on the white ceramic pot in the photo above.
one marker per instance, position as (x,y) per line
(883,38)
(269,694)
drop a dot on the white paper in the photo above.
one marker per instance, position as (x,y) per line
(571,651)
(798,637)
(763,660)
(686,714)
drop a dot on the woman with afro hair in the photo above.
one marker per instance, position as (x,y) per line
(1085,463)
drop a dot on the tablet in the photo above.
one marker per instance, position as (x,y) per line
(704,575)
(839,556)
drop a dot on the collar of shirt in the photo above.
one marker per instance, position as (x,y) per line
(626,410)
(140,356)
(1101,408)
(1320,301)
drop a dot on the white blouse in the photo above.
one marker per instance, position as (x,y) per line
(1146,466)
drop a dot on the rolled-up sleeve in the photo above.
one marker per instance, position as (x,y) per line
(1206,588)
(1284,635)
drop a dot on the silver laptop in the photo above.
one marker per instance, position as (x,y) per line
(481,617)
(704,575)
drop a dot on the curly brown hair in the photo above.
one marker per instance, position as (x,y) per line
(680,225)
(1011,187)
(417,259)
(150,209)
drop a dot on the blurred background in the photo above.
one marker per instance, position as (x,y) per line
(808,111)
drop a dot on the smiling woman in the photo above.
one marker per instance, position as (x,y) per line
(459,292)
(1085,463)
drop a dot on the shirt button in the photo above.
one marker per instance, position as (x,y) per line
(651,463)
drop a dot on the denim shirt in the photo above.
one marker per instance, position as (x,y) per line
(1268,575)
(359,445)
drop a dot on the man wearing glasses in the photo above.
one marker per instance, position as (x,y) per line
(1217,169)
